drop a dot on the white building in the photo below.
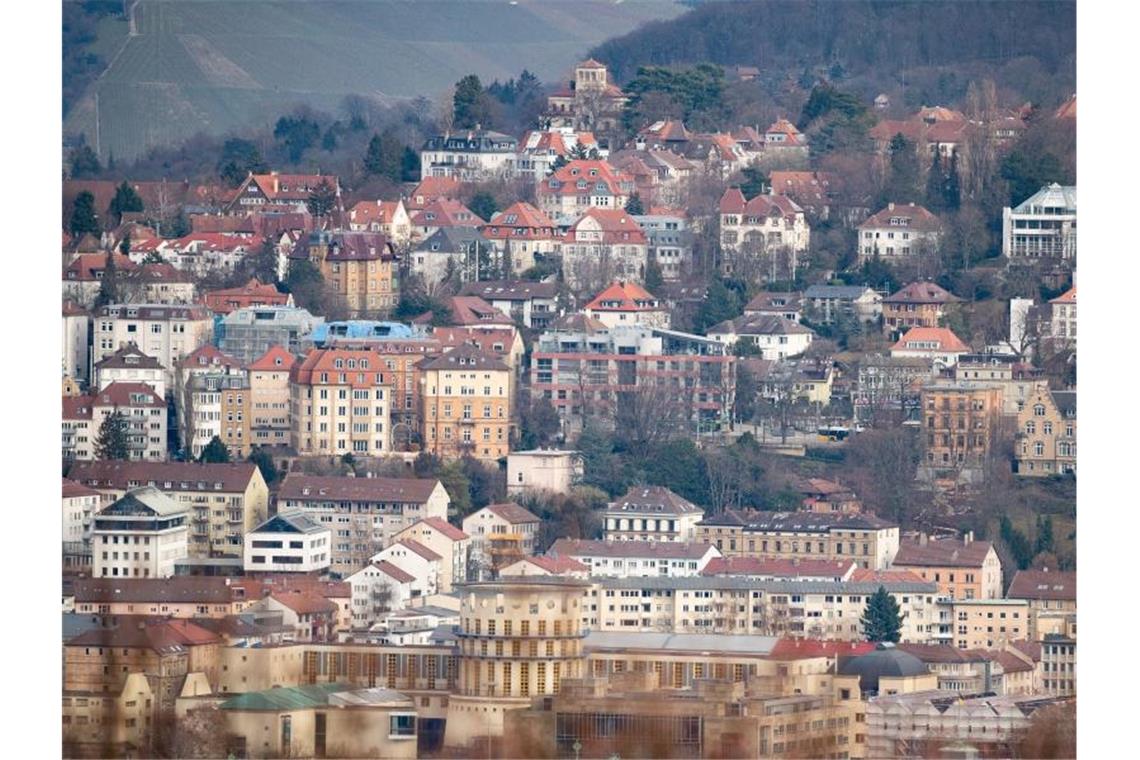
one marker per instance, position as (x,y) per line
(509,521)
(168,333)
(446,540)
(80,503)
(288,542)
(543,470)
(141,535)
(1043,226)
(471,156)
(378,588)
(416,560)
(765,224)
(130,365)
(938,344)
(144,413)
(1063,319)
(76,333)
(651,513)
(774,337)
(627,303)
(626,559)
(898,231)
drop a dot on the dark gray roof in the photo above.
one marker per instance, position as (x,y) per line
(885,661)
(294,521)
(1066,402)
(147,500)
(768,586)
(510,290)
(799,522)
(835,291)
(449,240)
(653,500)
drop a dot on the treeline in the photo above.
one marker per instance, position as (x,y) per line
(80,65)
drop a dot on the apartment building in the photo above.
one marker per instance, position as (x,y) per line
(279,192)
(467,404)
(288,542)
(521,232)
(919,304)
(143,412)
(887,386)
(899,231)
(358,267)
(80,504)
(76,334)
(824,304)
(139,535)
(988,623)
(340,403)
(601,246)
(963,568)
(225,501)
(589,100)
(1052,598)
(533,304)
(474,155)
(627,303)
(215,402)
(581,185)
(625,559)
(252,294)
(390,218)
(670,238)
(866,539)
(959,423)
(1046,439)
(130,365)
(248,333)
(651,513)
(773,337)
(269,419)
(500,534)
(446,540)
(1059,663)
(167,333)
(377,589)
(1063,319)
(1043,226)
(364,513)
(762,226)
(1018,380)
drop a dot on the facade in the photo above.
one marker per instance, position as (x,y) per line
(603,245)
(449,542)
(279,192)
(365,513)
(774,337)
(670,241)
(768,227)
(1043,226)
(919,304)
(500,534)
(378,588)
(167,333)
(247,333)
(76,334)
(543,470)
(581,185)
(472,156)
(651,513)
(963,568)
(960,422)
(939,345)
(390,218)
(1059,662)
(988,623)
(340,403)
(140,535)
(1046,439)
(143,412)
(629,559)
(899,231)
(627,303)
(789,305)
(130,365)
(824,304)
(1063,319)
(224,501)
(288,542)
(80,504)
(467,404)
(1052,598)
(868,540)
(269,418)
(532,304)
(358,267)
(418,561)
(214,400)
(521,232)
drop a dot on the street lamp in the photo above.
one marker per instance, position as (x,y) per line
(577,747)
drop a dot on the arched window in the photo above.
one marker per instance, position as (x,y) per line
(1039,449)
(1039,410)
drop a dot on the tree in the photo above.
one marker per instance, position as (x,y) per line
(484,205)
(215,452)
(720,304)
(1044,541)
(113,441)
(882,620)
(297,134)
(902,178)
(540,424)
(109,290)
(633,206)
(126,199)
(305,281)
(240,158)
(384,156)
(84,163)
(653,277)
(260,457)
(755,182)
(409,165)
(261,263)
(125,245)
(83,218)
(322,199)
(471,103)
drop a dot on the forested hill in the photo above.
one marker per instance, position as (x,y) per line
(885,36)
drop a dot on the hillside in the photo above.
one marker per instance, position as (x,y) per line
(218,65)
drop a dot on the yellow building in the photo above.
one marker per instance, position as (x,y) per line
(467,404)
(269,397)
(108,724)
(339,402)
(359,268)
(959,425)
(988,623)
(1052,598)
(962,567)
(1047,434)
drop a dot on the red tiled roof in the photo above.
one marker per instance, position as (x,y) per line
(1067,110)
(253,293)
(513,513)
(276,359)
(430,189)
(445,212)
(616,225)
(304,602)
(914,217)
(1069,296)
(86,265)
(367,212)
(556,564)
(778,568)
(485,338)
(73,489)
(292,187)
(334,488)
(943,336)
(473,310)
(127,395)
(393,572)
(208,356)
(732,202)
(950,552)
(443,527)
(868,575)
(137,632)
(784,127)
(233,477)
(591,172)
(796,649)
(519,220)
(659,549)
(420,549)
(1044,585)
(464,356)
(624,296)
(922,292)
(360,367)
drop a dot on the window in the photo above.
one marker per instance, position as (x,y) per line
(401,725)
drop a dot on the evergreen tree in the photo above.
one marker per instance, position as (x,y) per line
(83,219)
(1044,535)
(262,263)
(902,180)
(322,199)
(126,199)
(882,620)
(109,282)
(720,303)
(755,181)
(633,206)
(305,281)
(653,278)
(215,452)
(125,244)
(952,187)
(113,441)
(409,165)
(385,156)
(240,158)
(260,457)
(472,104)
(935,186)
(484,205)
(84,162)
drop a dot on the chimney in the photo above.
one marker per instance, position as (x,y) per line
(890,207)
(922,539)
(968,538)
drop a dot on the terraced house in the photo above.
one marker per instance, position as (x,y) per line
(467,404)
(339,403)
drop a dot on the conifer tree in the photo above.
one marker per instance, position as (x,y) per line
(113,439)
(882,620)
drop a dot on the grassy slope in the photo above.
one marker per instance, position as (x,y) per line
(219,65)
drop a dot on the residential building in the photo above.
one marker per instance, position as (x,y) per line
(269,419)
(288,542)
(627,559)
(279,192)
(868,540)
(771,303)
(1051,595)
(521,233)
(467,404)
(444,214)
(1043,226)
(389,218)
(539,150)
(139,535)
(418,561)
(961,423)
(340,403)
(247,333)
(473,311)
(366,513)
(446,540)
(1063,319)
(550,470)
(938,345)
(583,184)
(82,277)
(766,234)
(963,568)
(627,303)
(429,190)
(108,724)
(80,504)
(475,155)
(798,380)
(899,231)
(214,400)
(528,567)
(307,616)
(603,245)
(167,333)
(1046,439)
(253,293)
(532,304)
(670,240)
(919,304)
(940,129)
(1017,379)
(824,304)
(130,365)
(659,176)
(358,267)
(1059,663)
(987,623)
(378,588)
(889,386)
(796,568)
(588,370)
(143,411)
(1005,672)
(651,513)
(589,101)
(774,338)
(76,335)
(814,191)
(500,534)
(224,501)
(448,252)
(197,254)
(78,434)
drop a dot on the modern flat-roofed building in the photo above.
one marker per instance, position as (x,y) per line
(551,470)
(248,333)
(140,535)
(1043,226)
(288,542)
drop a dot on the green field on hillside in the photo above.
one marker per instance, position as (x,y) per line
(219,65)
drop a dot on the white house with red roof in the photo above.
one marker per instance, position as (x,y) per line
(539,150)
(417,560)
(378,588)
(388,217)
(584,184)
(938,344)
(631,559)
(446,540)
(898,231)
(442,213)
(543,565)
(1063,318)
(521,231)
(602,246)
(130,365)
(627,303)
(762,226)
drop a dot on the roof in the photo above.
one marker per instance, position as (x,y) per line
(510,290)
(337,360)
(841,292)
(473,310)
(465,356)
(294,521)
(317,488)
(940,653)
(519,220)
(420,549)
(556,564)
(669,130)
(157,312)
(346,246)
(760,324)
(779,568)
(129,357)
(733,202)
(303,602)
(122,394)
(642,549)
(883,661)
(90,266)
(431,188)
(909,216)
(286,698)
(378,211)
(1069,296)
(277,358)
(74,490)
(1053,197)
(185,589)
(445,212)
(253,293)
(593,175)
(653,500)
(807,522)
(291,187)
(136,632)
(513,513)
(796,649)
(208,355)
(1068,109)
(703,643)
(146,500)
(230,477)
(1066,402)
(616,226)
(922,292)
(625,296)
(1043,585)
(868,575)
(949,552)
(393,572)
(944,337)
(442,526)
